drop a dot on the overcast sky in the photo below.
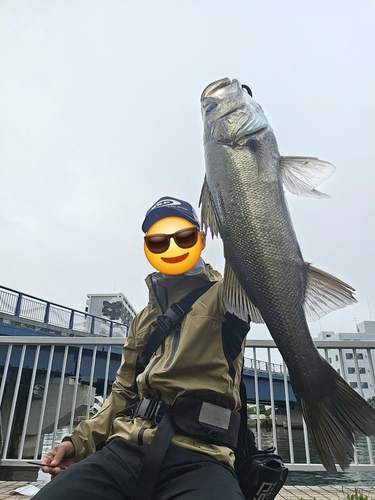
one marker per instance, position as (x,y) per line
(100,117)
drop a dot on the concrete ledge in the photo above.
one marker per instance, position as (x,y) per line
(287,493)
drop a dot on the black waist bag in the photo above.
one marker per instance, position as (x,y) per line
(261,474)
(207,421)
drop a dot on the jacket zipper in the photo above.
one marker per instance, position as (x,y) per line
(175,344)
(157,297)
(147,375)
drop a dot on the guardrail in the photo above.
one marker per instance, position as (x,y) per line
(263,366)
(39,313)
(44,388)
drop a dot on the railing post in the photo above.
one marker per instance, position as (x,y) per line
(71,320)
(46,410)
(46,314)
(111,329)
(92,328)
(17,311)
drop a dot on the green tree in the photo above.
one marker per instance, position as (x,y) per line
(251,410)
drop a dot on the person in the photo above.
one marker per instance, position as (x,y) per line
(186,399)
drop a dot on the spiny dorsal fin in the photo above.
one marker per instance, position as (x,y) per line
(235,299)
(208,217)
(301,175)
(325,293)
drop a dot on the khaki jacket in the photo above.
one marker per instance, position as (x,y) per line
(191,361)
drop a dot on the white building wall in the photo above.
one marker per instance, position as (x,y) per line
(100,305)
(95,305)
(354,364)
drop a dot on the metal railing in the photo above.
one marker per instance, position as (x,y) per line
(39,313)
(48,383)
(263,366)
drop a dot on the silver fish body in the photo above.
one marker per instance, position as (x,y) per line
(266,276)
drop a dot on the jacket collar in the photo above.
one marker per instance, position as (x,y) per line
(201,271)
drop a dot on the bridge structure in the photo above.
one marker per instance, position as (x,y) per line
(105,369)
(55,360)
(25,315)
(47,382)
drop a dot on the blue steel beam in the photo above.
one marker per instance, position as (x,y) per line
(57,363)
(264,388)
(115,359)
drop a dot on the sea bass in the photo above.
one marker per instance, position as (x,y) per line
(266,278)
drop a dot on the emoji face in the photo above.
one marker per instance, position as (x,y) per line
(173,245)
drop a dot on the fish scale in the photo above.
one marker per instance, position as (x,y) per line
(266,278)
(268,257)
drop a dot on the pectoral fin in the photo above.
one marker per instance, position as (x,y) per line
(301,175)
(325,293)
(208,216)
(235,299)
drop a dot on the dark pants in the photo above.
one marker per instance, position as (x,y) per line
(113,472)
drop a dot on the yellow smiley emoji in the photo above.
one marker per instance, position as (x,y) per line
(173,245)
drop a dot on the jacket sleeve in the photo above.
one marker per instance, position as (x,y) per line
(90,433)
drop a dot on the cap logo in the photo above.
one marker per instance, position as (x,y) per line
(168,202)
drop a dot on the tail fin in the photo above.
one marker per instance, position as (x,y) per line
(333,420)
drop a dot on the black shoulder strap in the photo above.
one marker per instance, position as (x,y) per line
(166,322)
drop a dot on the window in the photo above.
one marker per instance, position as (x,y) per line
(351,370)
(336,357)
(330,360)
(362,370)
(364,385)
(360,356)
(353,384)
(338,371)
(349,355)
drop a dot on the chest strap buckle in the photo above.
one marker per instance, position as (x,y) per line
(171,316)
(151,409)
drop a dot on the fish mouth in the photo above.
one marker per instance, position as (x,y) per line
(213,91)
(213,87)
(175,260)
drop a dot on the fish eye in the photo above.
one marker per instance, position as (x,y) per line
(210,107)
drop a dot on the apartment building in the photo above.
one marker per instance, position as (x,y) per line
(112,306)
(355,365)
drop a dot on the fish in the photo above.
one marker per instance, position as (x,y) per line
(265,277)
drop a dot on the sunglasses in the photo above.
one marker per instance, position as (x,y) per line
(159,243)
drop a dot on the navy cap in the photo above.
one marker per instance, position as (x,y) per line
(169,207)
